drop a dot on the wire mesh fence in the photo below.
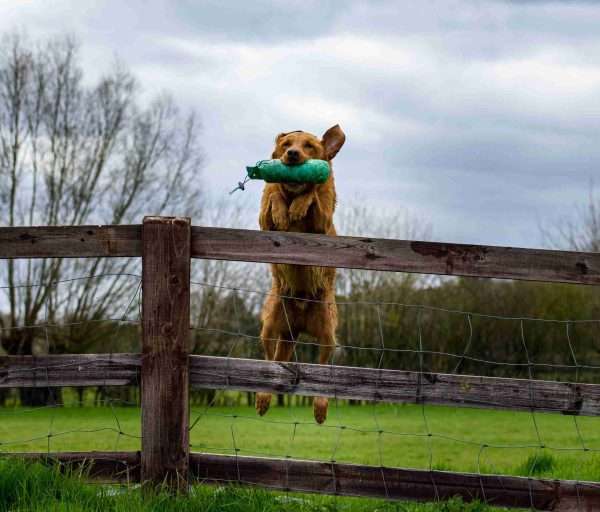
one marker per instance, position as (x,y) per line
(368,434)
(425,361)
(45,418)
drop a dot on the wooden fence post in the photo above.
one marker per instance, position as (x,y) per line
(165,350)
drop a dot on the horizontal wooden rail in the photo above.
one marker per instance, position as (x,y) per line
(396,386)
(69,370)
(393,483)
(349,479)
(396,255)
(313,249)
(70,241)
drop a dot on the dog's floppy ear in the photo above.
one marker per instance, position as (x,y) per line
(333,140)
(275,153)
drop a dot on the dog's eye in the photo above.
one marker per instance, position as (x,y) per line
(308,145)
(286,144)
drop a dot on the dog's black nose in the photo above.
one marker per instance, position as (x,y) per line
(293,154)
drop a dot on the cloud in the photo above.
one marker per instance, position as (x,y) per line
(480,116)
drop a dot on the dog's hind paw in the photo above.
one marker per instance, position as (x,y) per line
(263,401)
(320,409)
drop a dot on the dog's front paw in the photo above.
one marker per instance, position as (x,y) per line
(263,401)
(299,207)
(320,409)
(280,219)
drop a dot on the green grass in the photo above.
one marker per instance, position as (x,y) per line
(463,439)
(538,464)
(351,434)
(33,487)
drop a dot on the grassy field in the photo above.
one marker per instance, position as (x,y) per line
(33,487)
(351,434)
(462,439)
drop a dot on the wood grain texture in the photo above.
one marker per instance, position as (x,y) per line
(396,255)
(347,479)
(313,249)
(70,241)
(70,370)
(394,385)
(394,483)
(165,348)
(310,379)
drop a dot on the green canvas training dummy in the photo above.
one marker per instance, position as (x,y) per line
(275,171)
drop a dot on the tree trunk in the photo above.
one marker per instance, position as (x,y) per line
(40,397)
(80,391)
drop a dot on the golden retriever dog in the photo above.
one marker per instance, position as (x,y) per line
(305,208)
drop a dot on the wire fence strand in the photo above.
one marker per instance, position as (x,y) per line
(289,434)
(536,447)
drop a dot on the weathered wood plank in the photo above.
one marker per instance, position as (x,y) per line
(396,255)
(310,379)
(394,385)
(165,349)
(69,370)
(313,249)
(121,467)
(393,483)
(70,241)
(347,479)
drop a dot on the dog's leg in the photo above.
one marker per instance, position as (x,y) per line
(289,333)
(322,215)
(274,335)
(322,325)
(285,349)
(300,205)
(269,335)
(290,329)
(273,209)
(321,403)
(265,219)
(279,212)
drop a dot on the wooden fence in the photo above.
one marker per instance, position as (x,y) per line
(166,369)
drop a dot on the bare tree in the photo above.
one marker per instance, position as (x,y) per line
(579,233)
(362,220)
(72,153)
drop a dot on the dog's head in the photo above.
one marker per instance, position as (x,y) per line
(294,148)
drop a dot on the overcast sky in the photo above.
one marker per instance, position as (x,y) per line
(482,117)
